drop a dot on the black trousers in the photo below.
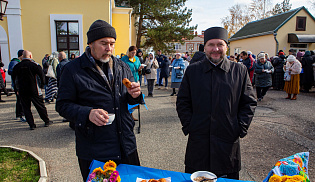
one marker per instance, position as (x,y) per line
(235,175)
(18,106)
(132,159)
(261,91)
(38,102)
(150,86)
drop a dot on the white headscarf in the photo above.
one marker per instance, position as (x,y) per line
(152,55)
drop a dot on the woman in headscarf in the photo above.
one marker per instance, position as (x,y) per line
(52,88)
(293,67)
(307,66)
(133,62)
(263,79)
(178,67)
(151,64)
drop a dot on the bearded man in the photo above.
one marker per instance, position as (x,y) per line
(215,104)
(90,88)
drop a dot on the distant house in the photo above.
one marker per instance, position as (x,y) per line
(294,29)
(47,26)
(190,46)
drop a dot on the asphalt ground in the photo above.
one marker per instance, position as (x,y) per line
(279,129)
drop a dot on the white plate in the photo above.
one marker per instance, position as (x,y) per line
(203,173)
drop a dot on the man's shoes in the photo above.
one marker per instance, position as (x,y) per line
(22,119)
(173,93)
(48,123)
(259,99)
(65,120)
(2,101)
(33,127)
(150,95)
(157,84)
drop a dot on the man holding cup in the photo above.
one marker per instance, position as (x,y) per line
(91,89)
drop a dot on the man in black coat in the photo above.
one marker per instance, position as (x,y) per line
(198,56)
(90,89)
(163,70)
(215,104)
(29,77)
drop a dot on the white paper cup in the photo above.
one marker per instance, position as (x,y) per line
(111,119)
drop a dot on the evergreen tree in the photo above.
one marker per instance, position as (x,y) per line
(161,22)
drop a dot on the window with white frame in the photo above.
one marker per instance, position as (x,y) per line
(67,33)
(178,46)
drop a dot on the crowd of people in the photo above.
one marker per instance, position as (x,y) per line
(215,96)
(292,73)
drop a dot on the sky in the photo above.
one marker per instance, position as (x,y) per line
(208,13)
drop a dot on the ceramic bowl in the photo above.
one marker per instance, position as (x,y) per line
(205,174)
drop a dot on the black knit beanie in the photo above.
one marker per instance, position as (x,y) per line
(215,33)
(100,29)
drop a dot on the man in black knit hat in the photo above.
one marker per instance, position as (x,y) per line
(90,90)
(215,105)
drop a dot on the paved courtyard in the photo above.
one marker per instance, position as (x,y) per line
(280,128)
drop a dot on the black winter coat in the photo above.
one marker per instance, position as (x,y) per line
(28,77)
(278,64)
(81,89)
(198,56)
(164,64)
(307,62)
(215,106)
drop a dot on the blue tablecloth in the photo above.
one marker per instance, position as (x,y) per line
(132,106)
(129,173)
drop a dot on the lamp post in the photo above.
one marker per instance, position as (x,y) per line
(3,7)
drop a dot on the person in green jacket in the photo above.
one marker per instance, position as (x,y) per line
(133,62)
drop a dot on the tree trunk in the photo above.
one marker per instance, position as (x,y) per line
(139,34)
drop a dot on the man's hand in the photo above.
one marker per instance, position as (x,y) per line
(135,89)
(99,117)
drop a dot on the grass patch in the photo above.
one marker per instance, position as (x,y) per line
(18,166)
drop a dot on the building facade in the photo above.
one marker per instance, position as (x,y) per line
(294,29)
(46,26)
(190,46)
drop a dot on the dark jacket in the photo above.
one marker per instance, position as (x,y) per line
(13,62)
(215,106)
(164,64)
(250,64)
(307,62)
(45,64)
(198,56)
(81,89)
(28,77)
(263,79)
(278,64)
(59,68)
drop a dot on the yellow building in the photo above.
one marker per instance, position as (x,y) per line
(293,29)
(43,26)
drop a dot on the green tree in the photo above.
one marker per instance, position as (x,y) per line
(282,7)
(161,22)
